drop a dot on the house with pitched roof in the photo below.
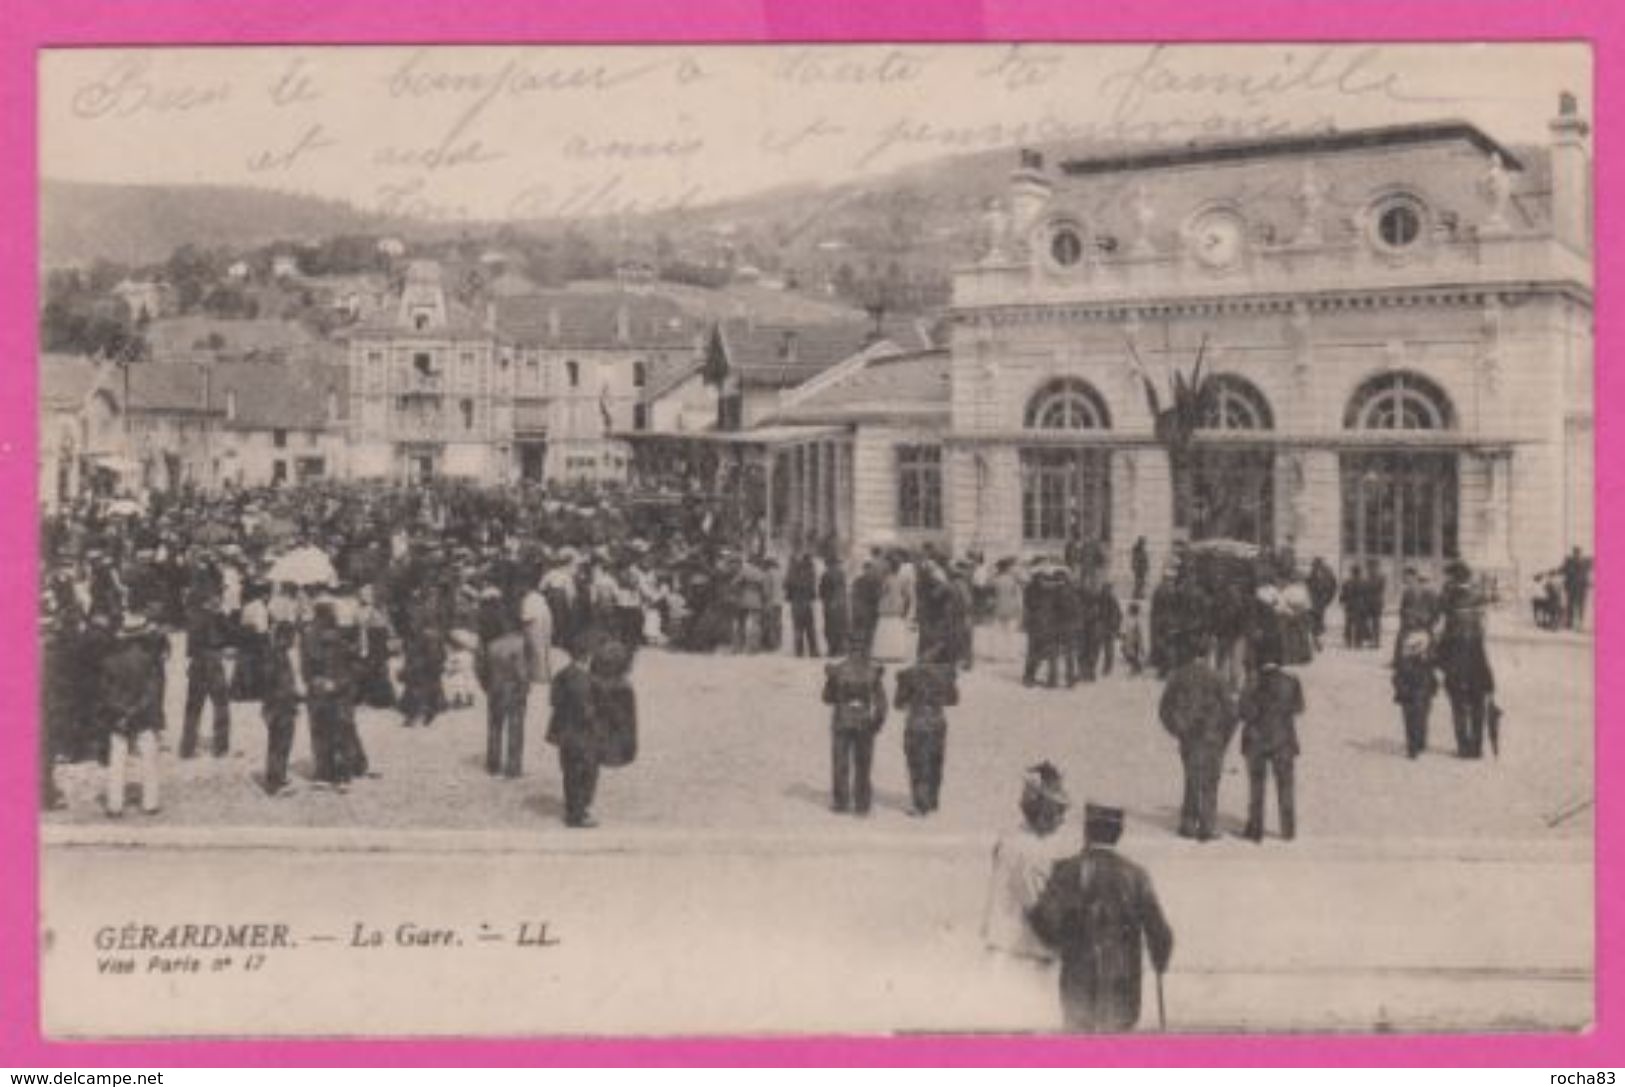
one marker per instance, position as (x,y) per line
(584,360)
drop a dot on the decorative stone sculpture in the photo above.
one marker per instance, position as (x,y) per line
(996,228)
(1497,191)
(1145,214)
(1311,202)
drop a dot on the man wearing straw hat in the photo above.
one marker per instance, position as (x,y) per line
(1096,911)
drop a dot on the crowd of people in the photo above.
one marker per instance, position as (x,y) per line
(327,598)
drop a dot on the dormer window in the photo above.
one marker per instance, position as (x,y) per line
(787,346)
(231,405)
(572,372)
(640,375)
(420,321)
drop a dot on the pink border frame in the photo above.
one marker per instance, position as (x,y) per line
(37,23)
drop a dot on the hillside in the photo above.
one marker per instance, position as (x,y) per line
(918,222)
(138,224)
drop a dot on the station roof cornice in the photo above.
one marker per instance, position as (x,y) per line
(1313,143)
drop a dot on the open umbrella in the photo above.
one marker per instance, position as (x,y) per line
(302,566)
(124,507)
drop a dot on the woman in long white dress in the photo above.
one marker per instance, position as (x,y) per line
(891,632)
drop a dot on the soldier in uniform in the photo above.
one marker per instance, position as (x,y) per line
(923,690)
(573,729)
(1196,710)
(1269,707)
(1097,910)
(856,693)
(208,634)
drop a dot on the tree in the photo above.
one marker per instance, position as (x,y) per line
(1191,402)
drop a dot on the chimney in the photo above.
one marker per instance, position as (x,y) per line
(1030,190)
(1571,176)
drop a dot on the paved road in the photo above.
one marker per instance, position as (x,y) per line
(742,743)
(784,934)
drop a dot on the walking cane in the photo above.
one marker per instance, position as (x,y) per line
(1162,1007)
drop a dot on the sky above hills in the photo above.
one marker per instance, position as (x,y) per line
(531,133)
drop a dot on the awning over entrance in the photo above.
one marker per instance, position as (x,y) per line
(760,436)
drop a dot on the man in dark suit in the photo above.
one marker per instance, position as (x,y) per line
(1576,586)
(329,668)
(1269,707)
(923,691)
(1418,608)
(832,591)
(280,697)
(1097,911)
(866,589)
(856,695)
(801,590)
(1196,710)
(573,729)
(1038,611)
(208,635)
(1469,681)
(504,673)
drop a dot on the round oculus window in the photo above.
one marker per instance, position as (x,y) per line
(1399,225)
(1065,247)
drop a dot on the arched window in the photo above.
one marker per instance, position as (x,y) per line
(1399,400)
(1067,403)
(1237,404)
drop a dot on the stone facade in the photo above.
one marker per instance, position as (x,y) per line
(431,391)
(1403,317)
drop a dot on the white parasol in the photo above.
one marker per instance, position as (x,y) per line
(303,566)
